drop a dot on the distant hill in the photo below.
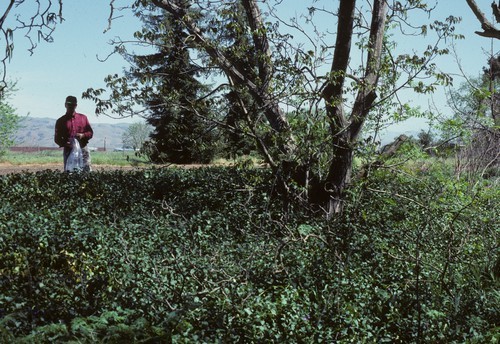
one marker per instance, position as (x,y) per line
(39,132)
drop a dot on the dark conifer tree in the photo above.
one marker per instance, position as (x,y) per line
(242,55)
(170,91)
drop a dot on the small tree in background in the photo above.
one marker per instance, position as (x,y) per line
(136,135)
(9,122)
(476,123)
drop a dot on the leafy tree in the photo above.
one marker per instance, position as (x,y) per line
(471,104)
(425,138)
(9,123)
(239,107)
(136,134)
(313,142)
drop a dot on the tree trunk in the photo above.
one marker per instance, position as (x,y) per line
(345,132)
(495,109)
(339,175)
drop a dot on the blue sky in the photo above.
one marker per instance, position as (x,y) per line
(69,64)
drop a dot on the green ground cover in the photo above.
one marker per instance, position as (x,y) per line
(216,255)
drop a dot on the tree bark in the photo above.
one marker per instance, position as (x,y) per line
(332,92)
(345,132)
(260,41)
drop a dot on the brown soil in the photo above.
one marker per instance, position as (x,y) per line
(6,168)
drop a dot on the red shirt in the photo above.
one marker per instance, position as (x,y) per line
(69,125)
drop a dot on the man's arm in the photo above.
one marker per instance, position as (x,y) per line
(58,135)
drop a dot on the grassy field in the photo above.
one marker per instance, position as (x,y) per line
(54,157)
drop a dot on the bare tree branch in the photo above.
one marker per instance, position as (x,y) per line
(366,95)
(332,93)
(6,13)
(260,40)
(41,22)
(489,29)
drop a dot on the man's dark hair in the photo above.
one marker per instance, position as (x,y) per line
(71,100)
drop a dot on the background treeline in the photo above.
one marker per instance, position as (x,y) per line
(216,254)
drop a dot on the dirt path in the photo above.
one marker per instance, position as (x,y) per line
(6,168)
(10,168)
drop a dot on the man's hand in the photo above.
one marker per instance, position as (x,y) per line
(80,136)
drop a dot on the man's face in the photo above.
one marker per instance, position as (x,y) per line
(70,107)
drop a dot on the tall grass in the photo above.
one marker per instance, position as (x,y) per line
(55,157)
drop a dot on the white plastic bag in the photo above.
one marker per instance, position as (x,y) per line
(75,158)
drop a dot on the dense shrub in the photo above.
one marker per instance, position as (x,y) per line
(208,255)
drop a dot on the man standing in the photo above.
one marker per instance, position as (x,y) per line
(73,125)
